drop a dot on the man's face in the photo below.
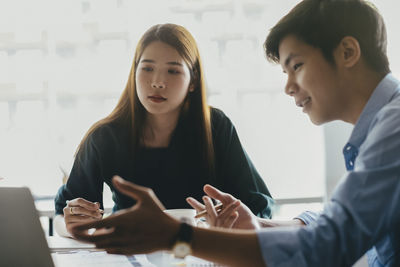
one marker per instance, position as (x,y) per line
(311,80)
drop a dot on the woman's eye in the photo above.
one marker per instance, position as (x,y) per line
(172,71)
(296,66)
(147,68)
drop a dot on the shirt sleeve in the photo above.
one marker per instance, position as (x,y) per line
(364,208)
(308,217)
(236,173)
(87,175)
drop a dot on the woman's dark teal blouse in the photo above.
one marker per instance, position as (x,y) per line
(174,173)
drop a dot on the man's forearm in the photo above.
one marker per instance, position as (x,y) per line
(230,247)
(274,223)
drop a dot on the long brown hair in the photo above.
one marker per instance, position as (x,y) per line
(130,111)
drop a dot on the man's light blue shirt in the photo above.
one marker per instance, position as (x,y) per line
(364,212)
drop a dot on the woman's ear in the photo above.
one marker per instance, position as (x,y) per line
(192,85)
(348,52)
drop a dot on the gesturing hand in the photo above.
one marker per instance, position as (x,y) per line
(235,214)
(143,228)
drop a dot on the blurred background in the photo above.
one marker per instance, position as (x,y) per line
(64,64)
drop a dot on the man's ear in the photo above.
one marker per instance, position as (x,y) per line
(348,52)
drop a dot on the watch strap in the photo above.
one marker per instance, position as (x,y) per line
(184,234)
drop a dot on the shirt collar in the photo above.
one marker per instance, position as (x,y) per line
(382,94)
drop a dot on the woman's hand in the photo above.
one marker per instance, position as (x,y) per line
(235,214)
(80,210)
(143,228)
(224,219)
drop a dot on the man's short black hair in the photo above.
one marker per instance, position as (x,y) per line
(324,23)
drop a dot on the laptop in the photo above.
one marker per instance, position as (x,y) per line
(22,240)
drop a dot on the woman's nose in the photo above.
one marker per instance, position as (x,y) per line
(158,85)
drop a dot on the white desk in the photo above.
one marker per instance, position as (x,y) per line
(69,252)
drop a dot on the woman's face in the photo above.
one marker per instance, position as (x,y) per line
(162,79)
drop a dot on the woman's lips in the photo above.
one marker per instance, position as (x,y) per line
(157,98)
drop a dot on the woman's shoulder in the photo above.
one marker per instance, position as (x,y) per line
(218,116)
(220,123)
(107,135)
(104,131)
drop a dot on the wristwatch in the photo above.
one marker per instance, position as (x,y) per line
(182,243)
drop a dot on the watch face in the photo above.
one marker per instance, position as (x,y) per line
(181,249)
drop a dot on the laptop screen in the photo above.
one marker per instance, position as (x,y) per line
(22,238)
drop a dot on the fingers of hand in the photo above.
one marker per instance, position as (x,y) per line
(79,219)
(80,230)
(137,192)
(226,213)
(134,191)
(123,251)
(195,204)
(117,251)
(75,211)
(81,202)
(114,241)
(213,192)
(83,235)
(231,219)
(212,213)
(82,207)
(129,189)
(126,246)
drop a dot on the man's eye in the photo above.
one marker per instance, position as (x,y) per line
(147,68)
(296,66)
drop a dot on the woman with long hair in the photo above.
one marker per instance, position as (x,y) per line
(162,135)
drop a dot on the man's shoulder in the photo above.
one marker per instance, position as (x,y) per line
(390,113)
(382,143)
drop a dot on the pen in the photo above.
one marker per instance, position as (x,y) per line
(203,213)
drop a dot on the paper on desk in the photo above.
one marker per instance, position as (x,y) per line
(192,261)
(168,259)
(98,259)
(64,244)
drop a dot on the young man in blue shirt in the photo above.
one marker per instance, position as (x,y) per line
(334,55)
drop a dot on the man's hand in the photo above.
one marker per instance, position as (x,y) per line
(143,228)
